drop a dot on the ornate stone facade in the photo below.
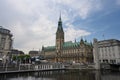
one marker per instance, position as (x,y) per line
(80,52)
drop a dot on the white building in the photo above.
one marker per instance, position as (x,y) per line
(109,51)
(5,43)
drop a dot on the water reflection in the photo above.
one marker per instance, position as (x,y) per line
(63,75)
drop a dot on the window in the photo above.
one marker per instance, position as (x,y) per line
(2,43)
(113,54)
(113,49)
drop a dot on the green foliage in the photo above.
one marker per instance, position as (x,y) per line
(21,57)
(14,57)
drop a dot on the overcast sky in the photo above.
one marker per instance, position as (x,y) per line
(33,23)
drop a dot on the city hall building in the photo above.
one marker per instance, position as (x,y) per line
(79,52)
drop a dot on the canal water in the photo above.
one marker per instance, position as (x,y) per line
(63,75)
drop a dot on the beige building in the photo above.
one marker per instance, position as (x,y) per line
(5,42)
(80,52)
(33,53)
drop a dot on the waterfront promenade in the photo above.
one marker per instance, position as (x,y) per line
(42,67)
(31,68)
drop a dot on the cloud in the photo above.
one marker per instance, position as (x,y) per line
(34,22)
(83,8)
(71,33)
(118,2)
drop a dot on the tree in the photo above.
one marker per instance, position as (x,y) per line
(21,58)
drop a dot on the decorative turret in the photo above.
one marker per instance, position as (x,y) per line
(81,41)
(85,40)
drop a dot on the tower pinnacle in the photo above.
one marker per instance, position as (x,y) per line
(60,17)
(60,29)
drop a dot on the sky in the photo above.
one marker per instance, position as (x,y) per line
(33,23)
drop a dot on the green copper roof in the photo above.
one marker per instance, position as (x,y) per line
(70,44)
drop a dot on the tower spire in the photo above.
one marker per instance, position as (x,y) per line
(59,39)
(60,17)
(60,29)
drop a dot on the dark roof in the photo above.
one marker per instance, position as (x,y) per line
(110,40)
(15,51)
(33,52)
(49,48)
(5,31)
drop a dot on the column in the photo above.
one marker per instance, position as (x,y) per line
(96,54)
